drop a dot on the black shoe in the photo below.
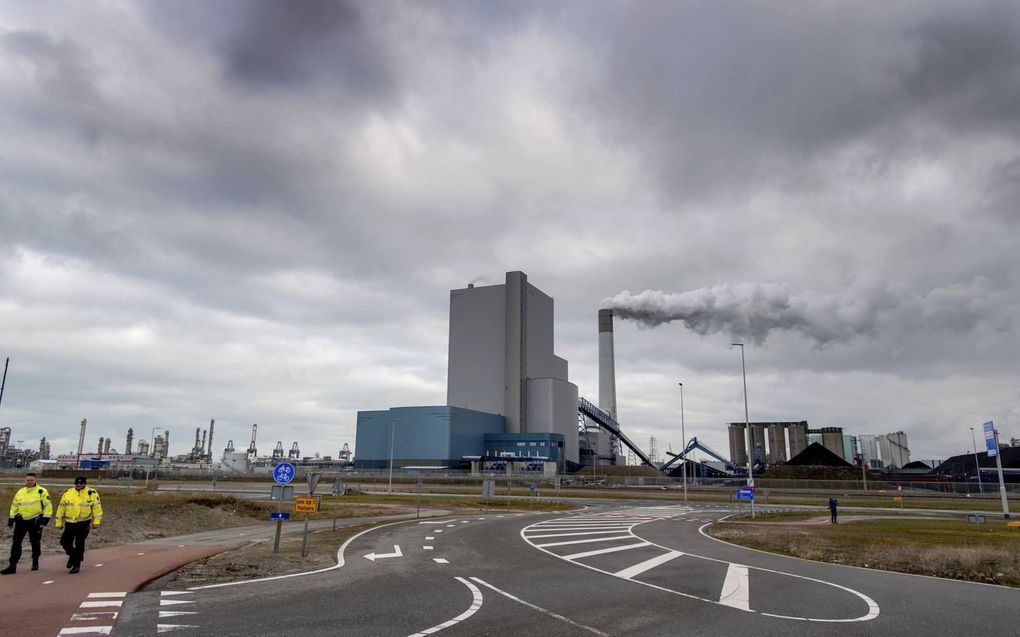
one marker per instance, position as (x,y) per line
(74,569)
(35,565)
(70,562)
(10,570)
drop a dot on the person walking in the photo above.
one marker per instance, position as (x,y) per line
(31,510)
(79,511)
(832,510)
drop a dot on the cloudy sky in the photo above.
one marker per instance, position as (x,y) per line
(254,211)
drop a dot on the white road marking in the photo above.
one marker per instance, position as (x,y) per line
(174,602)
(538,537)
(173,593)
(637,569)
(48,581)
(733,596)
(97,595)
(476,603)
(166,628)
(450,526)
(433,522)
(101,604)
(98,565)
(736,591)
(86,630)
(612,549)
(439,530)
(426,548)
(91,617)
(540,609)
(176,613)
(380,556)
(585,541)
(430,537)
(439,560)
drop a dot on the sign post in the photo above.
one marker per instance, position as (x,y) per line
(306,504)
(283,473)
(992,444)
(747,493)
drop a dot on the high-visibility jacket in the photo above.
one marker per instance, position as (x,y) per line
(79,506)
(30,502)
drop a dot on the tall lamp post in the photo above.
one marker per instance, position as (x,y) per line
(393,434)
(683,436)
(977,466)
(747,426)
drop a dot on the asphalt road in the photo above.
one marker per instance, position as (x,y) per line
(624,569)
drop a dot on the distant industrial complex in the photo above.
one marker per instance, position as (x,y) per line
(510,406)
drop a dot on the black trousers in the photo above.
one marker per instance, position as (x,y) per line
(34,532)
(73,540)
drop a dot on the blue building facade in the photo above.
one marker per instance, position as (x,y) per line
(438,436)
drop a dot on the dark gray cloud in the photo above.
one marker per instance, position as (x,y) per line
(254,211)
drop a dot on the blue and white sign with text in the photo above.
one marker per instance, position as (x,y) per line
(283,473)
(990,445)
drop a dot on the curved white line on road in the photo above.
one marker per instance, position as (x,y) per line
(339,563)
(476,603)
(873,609)
(541,610)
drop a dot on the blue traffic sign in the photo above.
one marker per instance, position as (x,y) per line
(283,473)
(282,516)
(532,487)
(990,446)
(745,493)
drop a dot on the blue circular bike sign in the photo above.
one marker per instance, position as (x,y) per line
(283,473)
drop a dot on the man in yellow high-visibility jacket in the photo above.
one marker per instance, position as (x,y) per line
(79,511)
(30,512)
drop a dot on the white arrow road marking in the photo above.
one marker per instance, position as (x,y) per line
(476,603)
(378,556)
(735,591)
(165,628)
(176,613)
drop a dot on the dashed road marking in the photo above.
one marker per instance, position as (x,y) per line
(426,548)
(439,560)
(540,609)
(86,630)
(430,537)
(166,628)
(98,595)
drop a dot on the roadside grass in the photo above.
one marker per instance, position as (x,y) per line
(446,502)
(940,547)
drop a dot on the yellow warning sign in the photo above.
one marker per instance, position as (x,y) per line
(306,504)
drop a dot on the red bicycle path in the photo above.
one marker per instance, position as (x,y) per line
(38,603)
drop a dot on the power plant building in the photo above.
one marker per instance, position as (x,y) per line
(508,394)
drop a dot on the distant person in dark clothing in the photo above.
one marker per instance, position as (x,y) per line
(832,509)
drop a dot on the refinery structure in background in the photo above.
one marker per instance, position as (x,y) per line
(776,442)
(146,456)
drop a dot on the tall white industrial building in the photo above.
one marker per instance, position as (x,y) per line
(502,361)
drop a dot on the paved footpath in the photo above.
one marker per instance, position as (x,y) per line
(51,601)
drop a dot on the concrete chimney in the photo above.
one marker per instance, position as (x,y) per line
(81,436)
(130,439)
(212,425)
(607,364)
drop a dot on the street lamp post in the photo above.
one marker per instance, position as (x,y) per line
(747,426)
(977,466)
(393,433)
(683,436)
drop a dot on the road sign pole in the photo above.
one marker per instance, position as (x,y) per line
(276,541)
(334,516)
(1002,483)
(304,540)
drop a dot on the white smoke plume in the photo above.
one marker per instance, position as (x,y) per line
(754,310)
